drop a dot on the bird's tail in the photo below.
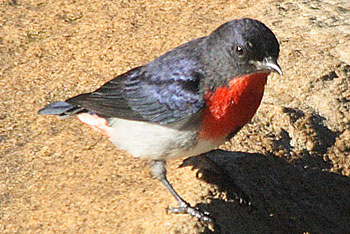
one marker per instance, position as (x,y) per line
(62,109)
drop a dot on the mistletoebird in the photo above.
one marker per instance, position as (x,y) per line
(184,103)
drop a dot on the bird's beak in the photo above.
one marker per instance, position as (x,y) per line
(269,64)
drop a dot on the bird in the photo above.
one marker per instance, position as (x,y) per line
(184,103)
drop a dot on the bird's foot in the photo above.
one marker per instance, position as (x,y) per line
(185,208)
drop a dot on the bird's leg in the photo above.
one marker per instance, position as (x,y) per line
(159,171)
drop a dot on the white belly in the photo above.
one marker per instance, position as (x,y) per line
(155,141)
(150,140)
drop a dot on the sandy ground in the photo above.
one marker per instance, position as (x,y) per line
(58,176)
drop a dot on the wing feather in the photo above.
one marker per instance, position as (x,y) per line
(145,96)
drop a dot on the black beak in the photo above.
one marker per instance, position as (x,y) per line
(271,64)
(268,64)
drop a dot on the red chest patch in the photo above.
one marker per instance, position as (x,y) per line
(229,108)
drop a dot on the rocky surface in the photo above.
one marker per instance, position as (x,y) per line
(292,160)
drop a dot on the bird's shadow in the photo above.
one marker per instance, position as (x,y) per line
(285,198)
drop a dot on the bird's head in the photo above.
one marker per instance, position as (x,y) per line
(242,47)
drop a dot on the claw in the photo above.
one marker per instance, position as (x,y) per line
(159,171)
(185,208)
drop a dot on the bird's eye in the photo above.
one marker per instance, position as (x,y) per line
(239,51)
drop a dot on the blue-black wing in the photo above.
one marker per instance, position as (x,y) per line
(148,94)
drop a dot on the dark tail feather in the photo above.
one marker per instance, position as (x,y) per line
(63,109)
